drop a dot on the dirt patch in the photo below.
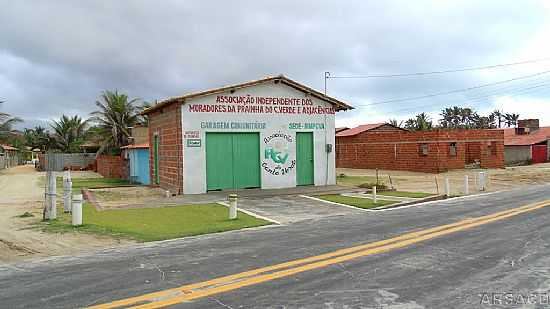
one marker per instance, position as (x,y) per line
(21,193)
(126,197)
(498,179)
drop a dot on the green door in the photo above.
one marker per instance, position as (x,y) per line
(232,160)
(304,158)
(156,159)
(246,160)
(219,161)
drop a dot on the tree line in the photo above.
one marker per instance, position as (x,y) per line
(458,118)
(108,127)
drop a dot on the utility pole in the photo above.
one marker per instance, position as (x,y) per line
(327,76)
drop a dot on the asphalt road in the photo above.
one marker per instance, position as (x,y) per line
(459,270)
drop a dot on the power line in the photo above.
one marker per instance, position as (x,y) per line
(476,100)
(438,72)
(510,87)
(454,91)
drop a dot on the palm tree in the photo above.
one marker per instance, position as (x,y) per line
(395,123)
(498,117)
(38,138)
(6,125)
(410,124)
(423,122)
(511,119)
(115,116)
(446,118)
(69,133)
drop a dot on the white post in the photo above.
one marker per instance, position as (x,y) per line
(232,206)
(77,210)
(466,187)
(447,187)
(67,191)
(47,196)
(374,197)
(482,181)
(52,202)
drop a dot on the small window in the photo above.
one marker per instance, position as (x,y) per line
(423,149)
(452,149)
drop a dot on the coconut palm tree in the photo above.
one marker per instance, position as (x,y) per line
(423,122)
(395,123)
(498,117)
(511,119)
(38,138)
(69,133)
(115,116)
(6,125)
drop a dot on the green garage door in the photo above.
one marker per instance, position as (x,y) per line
(232,160)
(304,158)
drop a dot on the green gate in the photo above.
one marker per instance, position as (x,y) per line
(232,160)
(304,158)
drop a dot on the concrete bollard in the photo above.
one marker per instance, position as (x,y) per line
(374,195)
(482,181)
(232,206)
(52,197)
(67,191)
(77,210)
(466,185)
(447,187)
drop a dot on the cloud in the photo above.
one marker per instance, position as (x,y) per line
(56,57)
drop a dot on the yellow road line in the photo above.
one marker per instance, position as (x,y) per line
(231,282)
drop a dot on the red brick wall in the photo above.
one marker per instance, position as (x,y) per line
(401,150)
(112,167)
(166,123)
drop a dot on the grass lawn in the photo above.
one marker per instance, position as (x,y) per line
(405,194)
(149,224)
(85,183)
(355,201)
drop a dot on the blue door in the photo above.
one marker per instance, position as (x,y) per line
(139,165)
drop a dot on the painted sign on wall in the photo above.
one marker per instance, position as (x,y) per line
(247,104)
(276,160)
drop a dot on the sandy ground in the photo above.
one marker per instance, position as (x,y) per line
(125,197)
(499,179)
(21,191)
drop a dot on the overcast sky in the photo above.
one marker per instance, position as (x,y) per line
(57,56)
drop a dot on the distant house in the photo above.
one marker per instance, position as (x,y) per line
(385,146)
(528,143)
(9,156)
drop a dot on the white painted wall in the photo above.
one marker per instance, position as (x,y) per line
(195,157)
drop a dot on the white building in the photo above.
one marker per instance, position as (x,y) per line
(268,133)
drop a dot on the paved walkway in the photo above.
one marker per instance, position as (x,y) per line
(382,197)
(291,209)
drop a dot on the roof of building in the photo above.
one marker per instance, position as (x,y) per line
(7,147)
(136,146)
(534,137)
(364,128)
(279,78)
(340,129)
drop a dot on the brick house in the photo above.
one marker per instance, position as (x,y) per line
(385,146)
(528,143)
(268,133)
